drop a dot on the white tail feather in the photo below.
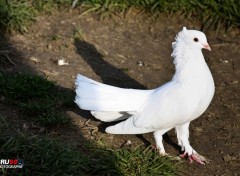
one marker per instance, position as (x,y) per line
(112,116)
(95,96)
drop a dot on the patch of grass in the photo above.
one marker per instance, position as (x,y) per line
(36,97)
(17,14)
(210,13)
(23,87)
(44,156)
(144,161)
(48,5)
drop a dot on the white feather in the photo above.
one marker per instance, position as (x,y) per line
(110,116)
(95,96)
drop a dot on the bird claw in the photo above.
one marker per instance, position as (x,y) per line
(195,157)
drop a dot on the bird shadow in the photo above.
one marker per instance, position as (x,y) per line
(112,76)
(169,141)
(108,73)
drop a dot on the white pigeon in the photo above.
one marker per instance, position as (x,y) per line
(172,105)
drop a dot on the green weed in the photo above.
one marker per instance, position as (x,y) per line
(16,15)
(78,34)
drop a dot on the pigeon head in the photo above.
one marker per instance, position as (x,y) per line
(194,39)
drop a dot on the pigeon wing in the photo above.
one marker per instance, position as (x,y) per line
(165,110)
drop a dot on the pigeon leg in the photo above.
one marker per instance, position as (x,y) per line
(158,138)
(183,136)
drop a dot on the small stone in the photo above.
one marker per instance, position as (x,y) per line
(49,46)
(224,61)
(34,59)
(199,129)
(62,62)
(235,82)
(25,126)
(140,63)
(41,130)
(228,158)
(128,142)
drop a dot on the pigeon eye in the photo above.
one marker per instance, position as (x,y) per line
(195,39)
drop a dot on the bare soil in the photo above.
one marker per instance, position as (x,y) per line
(133,52)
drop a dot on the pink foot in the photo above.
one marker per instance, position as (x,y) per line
(195,157)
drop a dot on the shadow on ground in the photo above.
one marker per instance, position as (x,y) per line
(23,131)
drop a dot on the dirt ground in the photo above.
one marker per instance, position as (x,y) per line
(134,52)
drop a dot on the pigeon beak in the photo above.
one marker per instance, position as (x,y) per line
(206,46)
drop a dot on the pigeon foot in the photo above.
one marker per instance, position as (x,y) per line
(195,157)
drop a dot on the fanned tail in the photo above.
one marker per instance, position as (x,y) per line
(108,103)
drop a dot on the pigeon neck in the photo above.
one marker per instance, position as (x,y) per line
(188,61)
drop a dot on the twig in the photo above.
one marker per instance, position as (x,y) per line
(4,51)
(9,59)
(94,129)
(74,3)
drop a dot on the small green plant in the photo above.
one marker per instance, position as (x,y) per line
(78,34)
(54,37)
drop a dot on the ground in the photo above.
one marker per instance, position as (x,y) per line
(134,51)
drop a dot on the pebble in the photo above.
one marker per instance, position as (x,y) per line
(224,61)
(62,62)
(34,59)
(228,158)
(49,46)
(128,142)
(199,129)
(25,126)
(140,63)
(235,82)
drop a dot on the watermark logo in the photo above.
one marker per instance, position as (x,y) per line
(11,163)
